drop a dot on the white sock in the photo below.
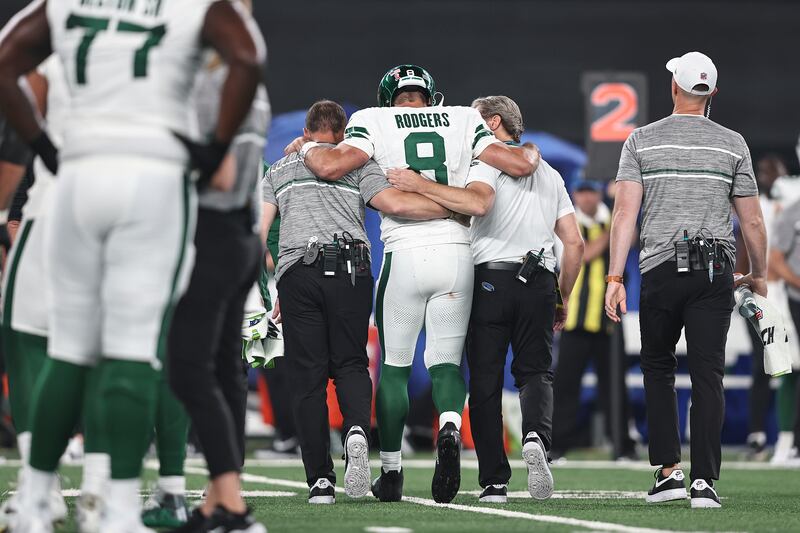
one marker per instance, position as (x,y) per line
(122,502)
(35,493)
(24,445)
(96,473)
(391,461)
(450,416)
(175,485)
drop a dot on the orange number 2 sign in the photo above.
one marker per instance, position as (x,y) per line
(614,125)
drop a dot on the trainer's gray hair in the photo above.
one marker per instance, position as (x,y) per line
(506,108)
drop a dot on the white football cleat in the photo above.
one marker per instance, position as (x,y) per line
(88,510)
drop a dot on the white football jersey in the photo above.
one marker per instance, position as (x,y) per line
(438,142)
(57,112)
(130,66)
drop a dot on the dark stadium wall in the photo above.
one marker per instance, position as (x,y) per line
(535,52)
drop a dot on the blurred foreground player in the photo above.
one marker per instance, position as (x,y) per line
(205,364)
(121,234)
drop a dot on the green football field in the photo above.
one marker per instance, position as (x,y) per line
(590,496)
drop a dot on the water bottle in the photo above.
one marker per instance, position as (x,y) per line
(747,305)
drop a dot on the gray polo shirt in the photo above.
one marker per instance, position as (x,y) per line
(311,207)
(691,168)
(247,146)
(785,233)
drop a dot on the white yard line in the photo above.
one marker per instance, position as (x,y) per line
(575,522)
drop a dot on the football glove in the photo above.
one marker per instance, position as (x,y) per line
(44,148)
(205,158)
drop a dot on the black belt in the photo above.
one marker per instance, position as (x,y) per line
(499,265)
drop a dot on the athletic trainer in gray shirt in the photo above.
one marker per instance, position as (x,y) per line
(686,173)
(326,298)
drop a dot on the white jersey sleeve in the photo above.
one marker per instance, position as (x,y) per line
(360,130)
(483,173)
(479,136)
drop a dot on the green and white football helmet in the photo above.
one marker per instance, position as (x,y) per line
(403,76)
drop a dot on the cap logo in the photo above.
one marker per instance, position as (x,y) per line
(395,74)
(703,76)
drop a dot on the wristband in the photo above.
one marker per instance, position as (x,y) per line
(617,279)
(306,147)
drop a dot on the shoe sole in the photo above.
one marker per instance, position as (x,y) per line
(666,496)
(705,503)
(322,500)
(540,479)
(493,499)
(447,478)
(357,476)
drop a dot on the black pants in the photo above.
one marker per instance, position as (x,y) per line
(505,310)
(794,309)
(325,332)
(576,349)
(671,302)
(280,396)
(205,343)
(760,391)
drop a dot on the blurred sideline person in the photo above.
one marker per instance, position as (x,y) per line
(507,305)
(121,245)
(15,156)
(426,276)
(205,368)
(768,170)
(784,258)
(24,294)
(325,295)
(688,174)
(587,333)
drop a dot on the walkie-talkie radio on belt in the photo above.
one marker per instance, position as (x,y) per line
(531,264)
(703,252)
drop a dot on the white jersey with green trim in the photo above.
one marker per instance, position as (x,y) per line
(130,66)
(439,142)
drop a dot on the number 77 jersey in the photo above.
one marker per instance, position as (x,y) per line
(129,65)
(438,142)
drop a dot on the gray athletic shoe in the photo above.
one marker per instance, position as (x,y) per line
(540,480)
(356,456)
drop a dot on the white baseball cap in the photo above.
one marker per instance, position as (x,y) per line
(692,69)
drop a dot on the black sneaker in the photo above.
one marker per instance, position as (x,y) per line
(388,487)
(704,496)
(447,475)
(197,523)
(666,489)
(323,492)
(540,479)
(356,456)
(494,494)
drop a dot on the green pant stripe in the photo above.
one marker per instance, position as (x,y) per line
(12,276)
(382,282)
(166,319)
